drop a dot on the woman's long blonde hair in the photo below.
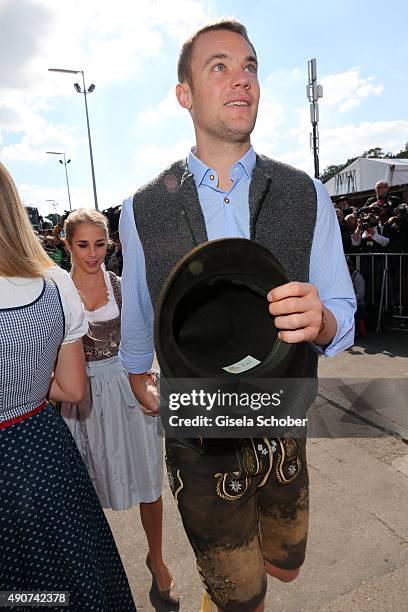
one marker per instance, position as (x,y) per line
(21,253)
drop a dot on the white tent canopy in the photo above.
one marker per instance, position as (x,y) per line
(364,172)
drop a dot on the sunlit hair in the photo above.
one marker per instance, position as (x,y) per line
(184,62)
(21,253)
(84,215)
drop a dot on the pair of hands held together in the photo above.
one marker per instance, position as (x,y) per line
(299,316)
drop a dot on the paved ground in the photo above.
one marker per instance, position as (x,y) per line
(358,547)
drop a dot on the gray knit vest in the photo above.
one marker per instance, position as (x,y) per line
(283,209)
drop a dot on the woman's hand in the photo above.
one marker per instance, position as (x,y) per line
(145,392)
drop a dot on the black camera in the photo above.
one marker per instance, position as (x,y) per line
(403,210)
(368,222)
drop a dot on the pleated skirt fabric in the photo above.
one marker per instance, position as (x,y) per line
(121,447)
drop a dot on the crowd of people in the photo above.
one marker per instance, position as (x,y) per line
(380,225)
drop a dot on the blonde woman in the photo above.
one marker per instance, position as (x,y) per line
(119,444)
(53,533)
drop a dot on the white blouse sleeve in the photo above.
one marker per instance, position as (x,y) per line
(76,324)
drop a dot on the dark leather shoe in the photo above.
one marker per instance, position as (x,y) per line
(169,595)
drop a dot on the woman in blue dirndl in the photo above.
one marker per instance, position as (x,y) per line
(53,532)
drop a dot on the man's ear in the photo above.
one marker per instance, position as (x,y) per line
(183,94)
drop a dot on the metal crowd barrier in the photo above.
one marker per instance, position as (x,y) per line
(386,278)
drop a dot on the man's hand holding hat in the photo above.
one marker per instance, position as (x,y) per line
(300,315)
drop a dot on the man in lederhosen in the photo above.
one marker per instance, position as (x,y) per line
(256,524)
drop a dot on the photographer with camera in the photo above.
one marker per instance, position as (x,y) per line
(371,235)
(382,201)
(350,224)
(344,205)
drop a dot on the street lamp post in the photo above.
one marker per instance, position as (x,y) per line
(314,92)
(85,91)
(65,162)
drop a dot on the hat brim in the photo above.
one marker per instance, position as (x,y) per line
(212,318)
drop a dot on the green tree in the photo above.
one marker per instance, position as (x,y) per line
(403,154)
(375,152)
(332,170)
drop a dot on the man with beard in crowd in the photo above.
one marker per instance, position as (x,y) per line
(382,201)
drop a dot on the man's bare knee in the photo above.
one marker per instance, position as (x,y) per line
(281,574)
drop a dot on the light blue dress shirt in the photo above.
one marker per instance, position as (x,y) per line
(226,214)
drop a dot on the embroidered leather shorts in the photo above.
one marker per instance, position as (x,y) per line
(241,502)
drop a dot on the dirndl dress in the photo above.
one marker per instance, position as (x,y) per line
(121,447)
(53,533)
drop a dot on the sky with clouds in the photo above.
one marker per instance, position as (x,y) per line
(129,49)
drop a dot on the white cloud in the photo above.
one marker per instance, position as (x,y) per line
(23,26)
(81,197)
(41,136)
(340,143)
(299,158)
(150,159)
(166,110)
(280,78)
(296,73)
(289,138)
(271,116)
(348,105)
(36,195)
(111,41)
(346,90)
(337,144)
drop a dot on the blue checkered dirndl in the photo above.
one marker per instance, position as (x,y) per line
(53,533)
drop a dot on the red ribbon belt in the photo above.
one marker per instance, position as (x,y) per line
(21,417)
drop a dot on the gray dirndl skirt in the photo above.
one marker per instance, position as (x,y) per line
(122,448)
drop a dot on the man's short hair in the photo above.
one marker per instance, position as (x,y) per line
(184,62)
(381,184)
